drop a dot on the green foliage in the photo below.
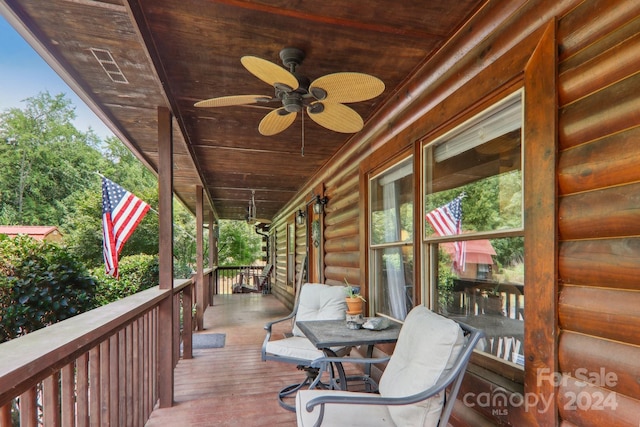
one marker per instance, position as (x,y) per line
(137,273)
(491,204)
(43,159)
(40,284)
(238,243)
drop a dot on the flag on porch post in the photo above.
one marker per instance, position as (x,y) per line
(121,214)
(447,221)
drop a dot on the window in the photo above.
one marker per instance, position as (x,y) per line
(391,240)
(473,226)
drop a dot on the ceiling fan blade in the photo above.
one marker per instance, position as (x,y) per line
(347,87)
(276,121)
(226,101)
(336,117)
(269,72)
(263,220)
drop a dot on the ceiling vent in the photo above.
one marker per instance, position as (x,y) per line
(109,65)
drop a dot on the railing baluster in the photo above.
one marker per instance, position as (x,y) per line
(135,375)
(114,381)
(94,387)
(68,394)
(82,390)
(128,374)
(5,415)
(105,384)
(28,408)
(145,366)
(51,400)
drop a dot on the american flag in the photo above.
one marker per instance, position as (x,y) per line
(121,214)
(447,221)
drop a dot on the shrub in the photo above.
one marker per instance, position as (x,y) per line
(40,284)
(137,273)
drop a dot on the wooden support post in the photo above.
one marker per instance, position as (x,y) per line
(540,236)
(200,288)
(165,238)
(213,253)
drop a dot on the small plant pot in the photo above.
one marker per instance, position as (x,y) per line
(354,306)
(493,304)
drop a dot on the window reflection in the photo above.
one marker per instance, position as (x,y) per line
(473,228)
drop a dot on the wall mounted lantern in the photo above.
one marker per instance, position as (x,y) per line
(318,206)
(300,217)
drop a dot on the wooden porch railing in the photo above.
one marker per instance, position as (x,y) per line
(229,276)
(97,368)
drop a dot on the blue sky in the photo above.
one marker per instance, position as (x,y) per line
(23,74)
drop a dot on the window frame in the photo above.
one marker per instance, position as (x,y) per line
(291,252)
(371,247)
(429,244)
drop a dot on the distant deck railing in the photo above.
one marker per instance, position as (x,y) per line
(228,277)
(98,368)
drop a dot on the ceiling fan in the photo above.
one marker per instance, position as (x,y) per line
(323,99)
(251,212)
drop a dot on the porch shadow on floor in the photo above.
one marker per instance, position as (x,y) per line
(231,386)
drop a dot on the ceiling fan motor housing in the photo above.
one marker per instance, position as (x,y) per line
(292,102)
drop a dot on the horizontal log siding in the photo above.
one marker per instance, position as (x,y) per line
(279,287)
(599,207)
(342,248)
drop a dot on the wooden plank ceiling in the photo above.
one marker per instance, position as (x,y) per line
(126,58)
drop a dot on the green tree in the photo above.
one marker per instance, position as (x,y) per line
(238,243)
(40,284)
(43,159)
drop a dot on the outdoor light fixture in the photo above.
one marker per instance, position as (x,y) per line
(300,217)
(318,206)
(251,209)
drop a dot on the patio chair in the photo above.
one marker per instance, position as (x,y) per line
(261,281)
(314,302)
(432,353)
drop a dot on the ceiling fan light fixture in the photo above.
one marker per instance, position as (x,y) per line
(318,93)
(281,87)
(315,108)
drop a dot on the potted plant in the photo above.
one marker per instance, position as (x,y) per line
(493,300)
(354,299)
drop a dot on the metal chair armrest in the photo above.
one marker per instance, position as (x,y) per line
(322,362)
(269,325)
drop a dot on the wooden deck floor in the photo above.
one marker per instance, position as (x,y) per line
(231,386)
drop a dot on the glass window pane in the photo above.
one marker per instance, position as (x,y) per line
(392,274)
(391,195)
(488,293)
(473,184)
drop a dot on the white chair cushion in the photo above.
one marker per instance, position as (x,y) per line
(427,346)
(320,302)
(296,347)
(341,415)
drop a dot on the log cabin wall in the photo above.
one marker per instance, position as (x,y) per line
(598,218)
(596,339)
